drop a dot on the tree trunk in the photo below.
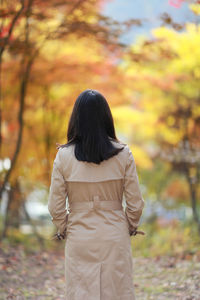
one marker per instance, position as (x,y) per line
(193,199)
(6,217)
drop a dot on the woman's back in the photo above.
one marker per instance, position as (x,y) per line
(97,189)
(93,170)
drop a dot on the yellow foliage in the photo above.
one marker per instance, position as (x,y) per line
(142,159)
(185,44)
(195,8)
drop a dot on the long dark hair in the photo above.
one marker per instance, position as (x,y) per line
(91,128)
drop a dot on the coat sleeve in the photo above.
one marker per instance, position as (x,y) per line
(57,197)
(134,200)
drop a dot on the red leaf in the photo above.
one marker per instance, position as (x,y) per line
(175,3)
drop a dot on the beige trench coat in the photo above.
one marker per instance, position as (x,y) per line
(98,256)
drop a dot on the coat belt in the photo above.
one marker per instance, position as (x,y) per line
(96,203)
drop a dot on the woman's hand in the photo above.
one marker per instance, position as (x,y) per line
(139,232)
(135,231)
(57,236)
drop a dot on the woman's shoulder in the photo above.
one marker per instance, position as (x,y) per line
(120,144)
(126,155)
(65,151)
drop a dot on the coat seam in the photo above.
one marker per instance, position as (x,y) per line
(92,181)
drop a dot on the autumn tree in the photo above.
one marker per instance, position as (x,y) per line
(164,73)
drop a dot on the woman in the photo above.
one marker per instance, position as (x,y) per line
(94,170)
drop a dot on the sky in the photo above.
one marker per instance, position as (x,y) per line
(150,10)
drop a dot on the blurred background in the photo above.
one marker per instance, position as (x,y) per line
(144,57)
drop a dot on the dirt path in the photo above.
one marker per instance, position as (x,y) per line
(41,276)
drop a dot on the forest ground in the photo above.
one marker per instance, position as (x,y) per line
(40,275)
